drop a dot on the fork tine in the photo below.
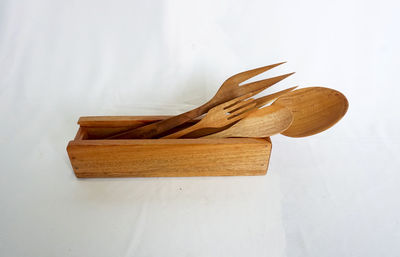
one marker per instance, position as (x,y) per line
(245,75)
(262,84)
(268,98)
(238,99)
(241,110)
(238,105)
(236,117)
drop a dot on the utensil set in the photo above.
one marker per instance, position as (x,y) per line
(229,90)
(228,135)
(312,110)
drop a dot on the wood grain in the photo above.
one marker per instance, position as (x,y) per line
(166,157)
(221,115)
(314,109)
(208,131)
(263,122)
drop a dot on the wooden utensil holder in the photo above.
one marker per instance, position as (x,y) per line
(94,158)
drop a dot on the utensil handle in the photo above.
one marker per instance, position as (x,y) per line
(220,134)
(185,131)
(156,128)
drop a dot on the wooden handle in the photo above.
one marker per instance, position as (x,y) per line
(222,134)
(183,132)
(154,129)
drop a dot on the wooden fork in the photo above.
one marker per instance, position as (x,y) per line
(260,102)
(230,89)
(221,115)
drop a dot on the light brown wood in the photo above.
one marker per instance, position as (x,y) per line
(230,89)
(118,121)
(81,134)
(99,127)
(263,122)
(261,101)
(314,109)
(167,157)
(221,115)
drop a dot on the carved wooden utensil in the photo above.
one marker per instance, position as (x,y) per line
(263,122)
(221,115)
(314,109)
(230,89)
(260,102)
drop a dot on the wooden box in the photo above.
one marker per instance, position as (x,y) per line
(94,158)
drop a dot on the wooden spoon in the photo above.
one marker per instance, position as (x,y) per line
(263,122)
(314,109)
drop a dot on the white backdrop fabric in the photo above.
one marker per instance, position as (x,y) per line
(333,194)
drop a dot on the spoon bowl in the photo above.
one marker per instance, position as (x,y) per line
(314,110)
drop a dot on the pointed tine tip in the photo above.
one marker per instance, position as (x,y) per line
(272,65)
(268,67)
(285,91)
(260,85)
(289,74)
(279,63)
(269,98)
(245,75)
(281,77)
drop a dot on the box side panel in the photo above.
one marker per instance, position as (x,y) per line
(169,160)
(117,121)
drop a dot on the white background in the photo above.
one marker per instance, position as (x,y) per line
(333,194)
